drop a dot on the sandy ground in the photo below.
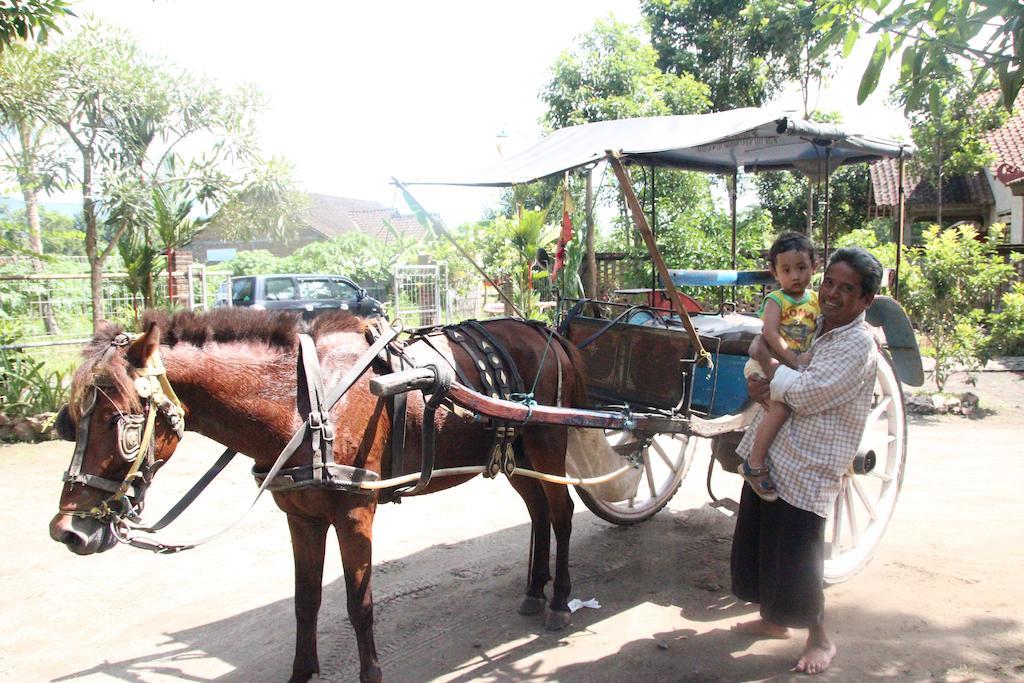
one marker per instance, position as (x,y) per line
(942,599)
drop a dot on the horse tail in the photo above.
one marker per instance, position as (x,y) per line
(576,381)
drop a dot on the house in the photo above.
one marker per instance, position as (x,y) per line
(993,195)
(326,217)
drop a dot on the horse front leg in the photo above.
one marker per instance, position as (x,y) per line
(539,572)
(355,538)
(561,507)
(546,448)
(309,538)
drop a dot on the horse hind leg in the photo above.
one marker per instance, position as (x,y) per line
(309,539)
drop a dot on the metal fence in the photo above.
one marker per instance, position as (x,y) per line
(54,309)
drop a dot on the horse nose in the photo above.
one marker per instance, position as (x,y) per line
(62,530)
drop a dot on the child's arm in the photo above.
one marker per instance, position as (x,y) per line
(773,337)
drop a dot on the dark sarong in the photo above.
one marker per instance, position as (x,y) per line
(778,556)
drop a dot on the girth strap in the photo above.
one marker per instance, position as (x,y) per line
(318,422)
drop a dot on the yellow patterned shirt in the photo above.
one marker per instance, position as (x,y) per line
(798,320)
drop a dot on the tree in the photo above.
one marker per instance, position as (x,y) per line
(949,134)
(936,41)
(744,50)
(612,73)
(31,153)
(125,112)
(24,20)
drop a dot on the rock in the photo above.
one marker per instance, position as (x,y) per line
(4,420)
(920,405)
(23,430)
(969,400)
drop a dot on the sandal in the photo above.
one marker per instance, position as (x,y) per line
(759,480)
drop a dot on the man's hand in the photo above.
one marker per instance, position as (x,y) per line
(759,389)
(760,352)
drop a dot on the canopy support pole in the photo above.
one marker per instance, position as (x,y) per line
(732,209)
(828,198)
(640,222)
(591,287)
(901,208)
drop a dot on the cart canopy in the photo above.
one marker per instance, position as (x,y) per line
(750,139)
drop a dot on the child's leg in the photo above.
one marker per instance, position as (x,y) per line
(775,416)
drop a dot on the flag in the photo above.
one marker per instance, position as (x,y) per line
(566,235)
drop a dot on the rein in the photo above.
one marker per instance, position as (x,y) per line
(317,426)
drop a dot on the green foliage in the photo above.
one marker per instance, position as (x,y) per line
(27,387)
(31,20)
(784,196)
(936,42)
(612,73)
(949,292)
(1007,325)
(744,50)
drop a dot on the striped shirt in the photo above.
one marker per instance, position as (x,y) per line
(830,399)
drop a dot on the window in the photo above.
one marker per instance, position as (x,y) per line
(280,289)
(346,289)
(241,291)
(317,290)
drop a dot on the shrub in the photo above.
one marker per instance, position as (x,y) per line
(1007,326)
(948,294)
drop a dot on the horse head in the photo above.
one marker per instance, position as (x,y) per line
(125,421)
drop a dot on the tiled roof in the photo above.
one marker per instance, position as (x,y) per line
(333,216)
(959,189)
(1006,143)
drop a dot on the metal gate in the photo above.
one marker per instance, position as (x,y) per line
(418,294)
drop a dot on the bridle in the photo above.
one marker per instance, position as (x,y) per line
(135,442)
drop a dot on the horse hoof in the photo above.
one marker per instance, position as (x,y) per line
(557,620)
(531,606)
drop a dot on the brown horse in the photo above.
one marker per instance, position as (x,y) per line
(234,371)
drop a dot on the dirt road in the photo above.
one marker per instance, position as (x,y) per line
(942,600)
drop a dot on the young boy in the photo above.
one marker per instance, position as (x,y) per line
(790,317)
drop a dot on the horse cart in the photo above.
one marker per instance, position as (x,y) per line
(344,413)
(676,370)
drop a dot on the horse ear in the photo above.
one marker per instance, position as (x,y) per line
(144,347)
(64,426)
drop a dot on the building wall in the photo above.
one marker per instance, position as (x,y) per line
(1008,209)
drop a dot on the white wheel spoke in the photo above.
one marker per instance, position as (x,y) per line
(879,474)
(865,501)
(664,456)
(877,412)
(848,496)
(837,527)
(651,484)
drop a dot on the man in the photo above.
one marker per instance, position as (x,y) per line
(778,547)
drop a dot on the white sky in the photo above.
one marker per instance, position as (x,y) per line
(362,91)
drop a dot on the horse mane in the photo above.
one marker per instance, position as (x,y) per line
(276,329)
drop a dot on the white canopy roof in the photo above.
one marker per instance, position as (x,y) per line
(750,139)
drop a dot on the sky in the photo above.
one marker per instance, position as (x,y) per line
(360,92)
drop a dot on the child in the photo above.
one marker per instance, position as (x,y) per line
(790,317)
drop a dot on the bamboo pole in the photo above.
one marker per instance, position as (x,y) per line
(640,222)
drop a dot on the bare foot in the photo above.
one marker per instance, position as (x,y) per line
(759,628)
(816,657)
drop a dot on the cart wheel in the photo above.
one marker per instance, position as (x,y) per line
(666,459)
(867,500)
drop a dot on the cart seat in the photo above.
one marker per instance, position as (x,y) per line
(721,278)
